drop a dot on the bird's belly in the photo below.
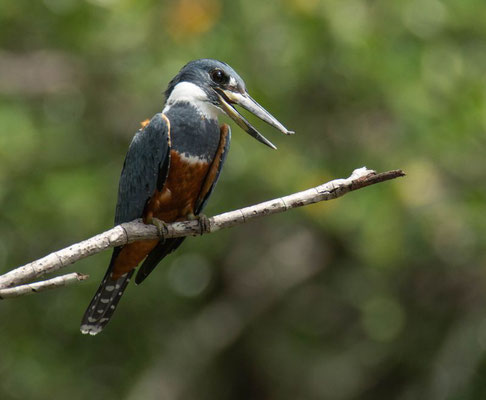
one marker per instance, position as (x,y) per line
(178,197)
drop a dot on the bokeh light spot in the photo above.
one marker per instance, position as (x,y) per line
(192,18)
(425,18)
(304,6)
(189,275)
(348,20)
(383,318)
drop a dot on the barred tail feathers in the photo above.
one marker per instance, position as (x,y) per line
(104,302)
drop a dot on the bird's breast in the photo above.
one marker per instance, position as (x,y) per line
(194,143)
(178,196)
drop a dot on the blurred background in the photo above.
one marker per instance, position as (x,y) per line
(378,295)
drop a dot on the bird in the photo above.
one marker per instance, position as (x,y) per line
(171,168)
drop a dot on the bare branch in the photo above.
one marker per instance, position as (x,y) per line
(54,283)
(136,230)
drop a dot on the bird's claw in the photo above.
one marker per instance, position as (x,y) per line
(204,223)
(161,226)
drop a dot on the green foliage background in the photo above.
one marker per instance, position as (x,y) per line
(379,295)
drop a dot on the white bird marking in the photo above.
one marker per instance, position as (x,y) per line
(187,91)
(91,329)
(193,159)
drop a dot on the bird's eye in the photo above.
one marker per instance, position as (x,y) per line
(219,77)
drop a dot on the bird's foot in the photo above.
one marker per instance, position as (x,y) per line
(162,228)
(204,223)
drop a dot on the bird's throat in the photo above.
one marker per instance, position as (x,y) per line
(190,93)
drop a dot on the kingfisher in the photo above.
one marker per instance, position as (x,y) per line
(170,170)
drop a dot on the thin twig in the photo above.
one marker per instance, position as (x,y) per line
(54,283)
(136,230)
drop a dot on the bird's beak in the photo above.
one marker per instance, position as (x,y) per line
(227,98)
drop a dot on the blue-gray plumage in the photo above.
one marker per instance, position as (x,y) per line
(145,169)
(201,138)
(171,169)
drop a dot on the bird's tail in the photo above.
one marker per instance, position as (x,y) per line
(104,302)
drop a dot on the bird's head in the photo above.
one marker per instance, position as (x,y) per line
(217,85)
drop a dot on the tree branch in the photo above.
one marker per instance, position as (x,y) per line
(137,230)
(54,283)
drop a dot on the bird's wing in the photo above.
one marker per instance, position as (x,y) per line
(145,169)
(168,246)
(215,170)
